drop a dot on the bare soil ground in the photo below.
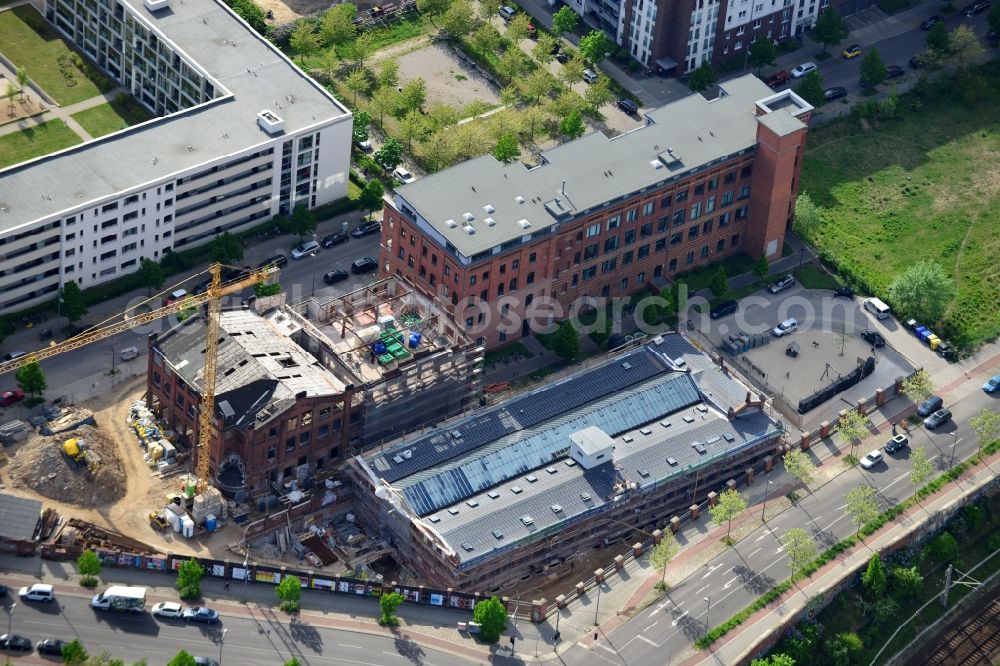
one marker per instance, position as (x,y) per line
(21,108)
(449,80)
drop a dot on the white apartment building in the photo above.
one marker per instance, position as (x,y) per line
(241,134)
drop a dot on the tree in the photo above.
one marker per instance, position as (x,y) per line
(993,18)
(918,386)
(486,38)
(225,249)
(432,8)
(599,93)
(544,47)
(182,658)
(762,53)
(564,20)
(844,647)
(938,39)
(250,13)
(88,565)
(388,604)
(73,653)
(362,121)
(761,267)
(337,25)
(357,82)
(730,504)
(873,68)
(188,581)
(506,149)
(459,19)
(388,74)
(663,554)
(595,47)
(390,154)
(907,581)
(780,659)
(289,591)
(987,426)
(965,46)
(920,467)
(702,78)
(518,28)
(304,40)
(302,222)
(572,125)
(800,466)
(799,546)
(361,49)
(874,578)
(22,80)
(862,506)
(31,379)
(292,662)
(808,216)
(566,341)
(852,427)
(720,283)
(488,9)
(829,28)
(73,305)
(572,70)
(513,64)
(413,126)
(943,548)
(922,291)
(385,100)
(811,88)
(150,275)
(414,94)
(11,94)
(371,196)
(491,616)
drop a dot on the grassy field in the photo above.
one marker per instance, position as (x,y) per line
(811,277)
(29,42)
(924,186)
(111,117)
(36,141)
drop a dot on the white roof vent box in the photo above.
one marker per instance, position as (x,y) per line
(156,5)
(524,224)
(469,229)
(489,209)
(451,223)
(270,122)
(469,217)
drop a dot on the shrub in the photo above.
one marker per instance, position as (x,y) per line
(943,548)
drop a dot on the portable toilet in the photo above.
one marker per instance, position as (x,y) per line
(211,524)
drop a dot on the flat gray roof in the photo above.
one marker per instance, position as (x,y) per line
(255,74)
(18,517)
(682,136)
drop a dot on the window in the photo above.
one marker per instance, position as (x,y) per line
(608,265)
(724,219)
(291,423)
(641,277)
(307,419)
(672,266)
(613,223)
(735,240)
(665,202)
(679,217)
(591,251)
(727,198)
(710,204)
(472,280)
(662,225)
(690,257)
(623,285)
(746,171)
(696,210)
(704,251)
(681,196)
(661,244)
(720,245)
(272,453)
(610,244)
(630,236)
(290,444)
(677,238)
(631,215)
(305,438)
(713,183)
(699,189)
(486,275)
(503,269)
(627,258)
(589,273)
(744,191)
(531,258)
(576,258)
(514,265)
(593,230)
(741,213)
(513,284)
(646,230)
(447,270)
(500,289)
(692,233)
(644,251)
(707,227)
(530,279)
(729,178)
(648,207)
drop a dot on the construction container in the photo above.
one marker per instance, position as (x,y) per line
(933,341)
(211,524)
(414,339)
(187,526)
(174,520)
(926,334)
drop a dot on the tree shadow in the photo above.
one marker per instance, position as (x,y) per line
(306,634)
(406,648)
(751,581)
(691,628)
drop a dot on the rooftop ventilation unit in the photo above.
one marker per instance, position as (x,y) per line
(670,157)
(469,229)
(524,224)
(270,122)
(156,5)
(469,217)
(519,199)
(556,508)
(490,221)
(451,223)
(408,453)
(656,164)
(489,209)
(527,520)
(498,534)
(467,547)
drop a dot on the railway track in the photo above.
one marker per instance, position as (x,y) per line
(975,641)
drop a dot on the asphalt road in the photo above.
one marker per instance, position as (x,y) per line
(731,581)
(300,279)
(266,638)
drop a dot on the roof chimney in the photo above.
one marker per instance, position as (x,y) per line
(564,187)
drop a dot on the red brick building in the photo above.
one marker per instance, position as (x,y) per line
(700,181)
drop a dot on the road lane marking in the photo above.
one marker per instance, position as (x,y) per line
(710,571)
(679,618)
(702,588)
(602,646)
(356,647)
(756,551)
(646,640)
(651,626)
(767,533)
(731,581)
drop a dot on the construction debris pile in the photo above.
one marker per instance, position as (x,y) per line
(158,445)
(189,514)
(83,470)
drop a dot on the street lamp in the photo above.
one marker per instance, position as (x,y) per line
(222,643)
(556,636)
(953,444)
(767,488)
(597,605)
(708,600)
(10,617)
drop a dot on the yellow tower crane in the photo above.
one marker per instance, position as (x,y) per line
(129,319)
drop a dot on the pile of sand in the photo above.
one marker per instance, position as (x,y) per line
(40,466)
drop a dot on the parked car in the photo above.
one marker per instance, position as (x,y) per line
(786,327)
(803,69)
(852,51)
(15,642)
(871,459)
(874,338)
(367,229)
(201,614)
(589,75)
(507,13)
(335,239)
(992,384)
(975,8)
(897,443)
(168,609)
(930,405)
(931,21)
(845,292)
(10,397)
(10,356)
(364,146)
(403,175)
(781,284)
(3,590)
(562,57)
(836,92)
(628,106)
(278,260)
(722,309)
(778,78)
(940,417)
(307,249)
(364,265)
(205,661)
(338,275)
(917,61)
(174,296)
(894,72)
(50,646)
(37,592)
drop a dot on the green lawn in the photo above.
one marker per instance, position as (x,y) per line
(811,277)
(29,42)
(35,142)
(701,277)
(925,186)
(111,117)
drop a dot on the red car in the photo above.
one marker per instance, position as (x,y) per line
(778,78)
(10,397)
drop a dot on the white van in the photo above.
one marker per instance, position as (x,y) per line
(785,327)
(37,592)
(130,353)
(877,308)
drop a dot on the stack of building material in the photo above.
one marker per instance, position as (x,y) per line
(14,431)
(209,501)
